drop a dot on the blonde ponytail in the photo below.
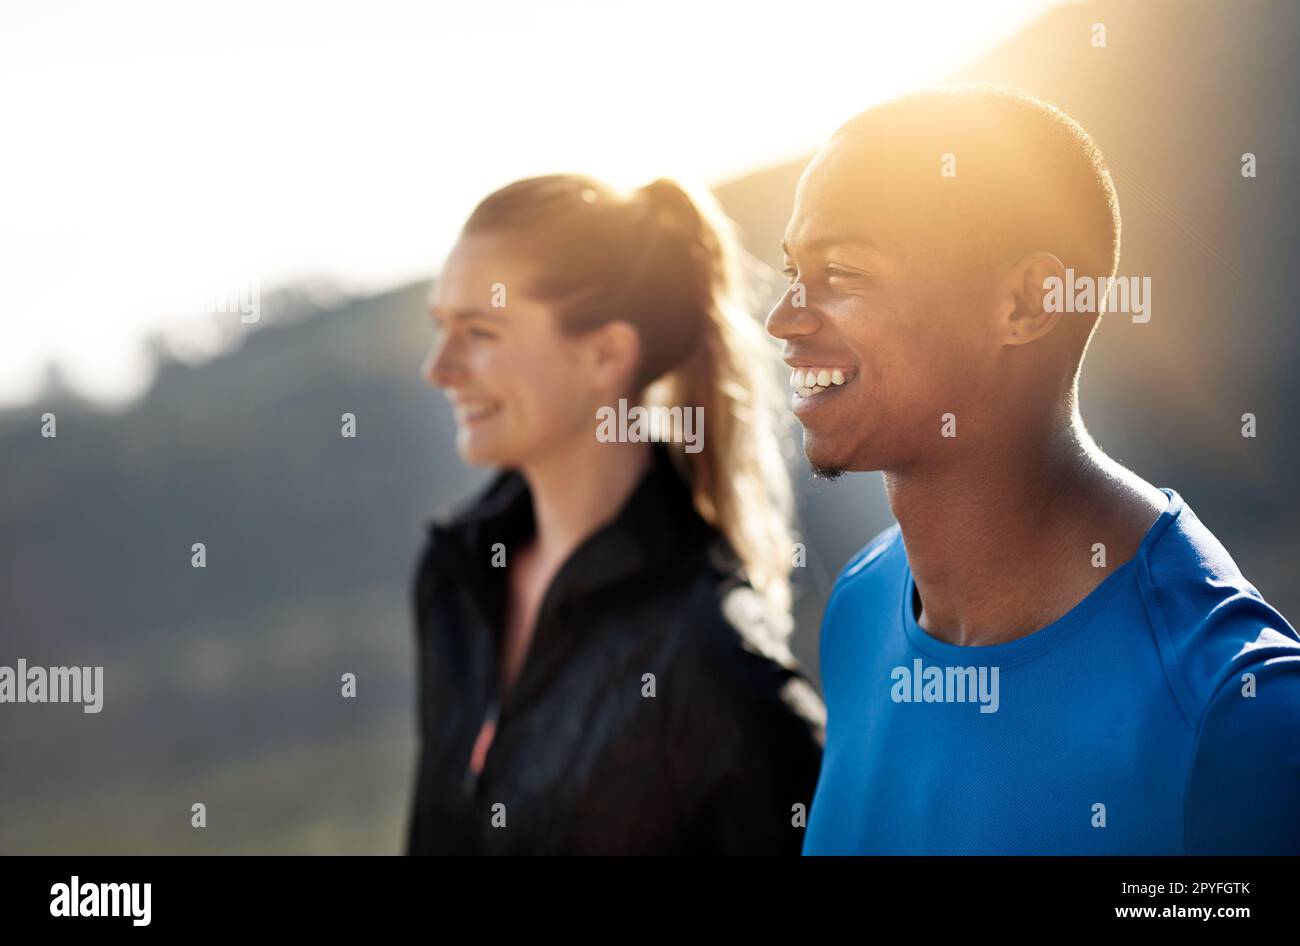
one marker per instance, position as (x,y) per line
(739,479)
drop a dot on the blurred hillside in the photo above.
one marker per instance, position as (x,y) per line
(222,684)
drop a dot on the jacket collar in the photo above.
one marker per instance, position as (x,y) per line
(656,524)
(656,521)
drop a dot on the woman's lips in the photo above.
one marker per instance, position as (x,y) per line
(474,410)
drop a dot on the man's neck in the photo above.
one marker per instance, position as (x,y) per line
(1003,543)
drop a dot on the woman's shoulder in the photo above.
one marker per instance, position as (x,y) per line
(727,612)
(736,645)
(730,626)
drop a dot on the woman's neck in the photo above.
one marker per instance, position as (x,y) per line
(580,488)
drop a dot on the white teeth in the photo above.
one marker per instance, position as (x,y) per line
(474,410)
(807,381)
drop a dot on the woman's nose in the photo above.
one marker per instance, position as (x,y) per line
(439,368)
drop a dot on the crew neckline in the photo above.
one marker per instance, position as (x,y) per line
(1035,644)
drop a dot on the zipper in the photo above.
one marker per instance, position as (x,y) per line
(491,723)
(482,745)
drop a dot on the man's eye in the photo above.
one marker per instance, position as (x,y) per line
(790,273)
(834,272)
(476,332)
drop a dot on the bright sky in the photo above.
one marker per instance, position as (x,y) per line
(161,154)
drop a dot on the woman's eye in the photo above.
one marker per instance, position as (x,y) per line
(790,273)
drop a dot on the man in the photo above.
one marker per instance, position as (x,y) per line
(1047,654)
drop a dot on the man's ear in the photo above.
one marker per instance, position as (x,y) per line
(612,353)
(1032,297)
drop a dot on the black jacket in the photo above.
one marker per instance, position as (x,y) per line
(581,757)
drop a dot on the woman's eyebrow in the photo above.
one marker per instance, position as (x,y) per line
(461,315)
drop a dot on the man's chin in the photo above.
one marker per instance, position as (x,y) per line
(827,472)
(825,463)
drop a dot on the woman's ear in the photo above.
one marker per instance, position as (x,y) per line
(1029,309)
(613,351)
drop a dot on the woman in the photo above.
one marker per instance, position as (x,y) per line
(602,666)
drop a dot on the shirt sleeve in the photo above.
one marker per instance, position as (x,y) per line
(1243,789)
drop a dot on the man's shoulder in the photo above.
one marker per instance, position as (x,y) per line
(1236,666)
(1212,624)
(884,554)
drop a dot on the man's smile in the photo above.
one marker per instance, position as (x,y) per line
(814,384)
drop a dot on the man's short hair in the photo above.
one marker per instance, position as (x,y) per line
(1024,175)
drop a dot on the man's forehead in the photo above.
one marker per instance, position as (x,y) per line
(818,232)
(839,169)
(816,226)
(842,199)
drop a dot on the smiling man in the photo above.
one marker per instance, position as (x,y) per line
(1147,698)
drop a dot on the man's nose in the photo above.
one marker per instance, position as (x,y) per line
(791,317)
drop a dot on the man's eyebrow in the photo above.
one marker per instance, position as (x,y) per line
(855,240)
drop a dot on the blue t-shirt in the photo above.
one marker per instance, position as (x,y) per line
(1160,716)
